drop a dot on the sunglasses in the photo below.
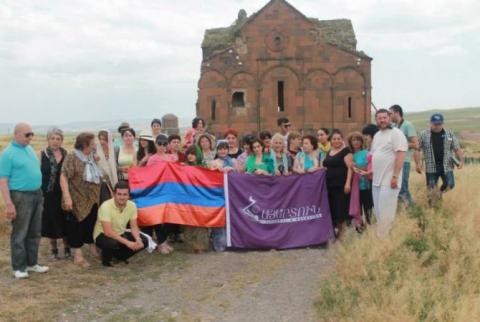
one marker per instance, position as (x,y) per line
(287,125)
(163,144)
(29,134)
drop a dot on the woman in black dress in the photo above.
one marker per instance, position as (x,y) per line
(53,217)
(339,161)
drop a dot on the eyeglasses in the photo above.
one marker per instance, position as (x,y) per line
(29,134)
(287,126)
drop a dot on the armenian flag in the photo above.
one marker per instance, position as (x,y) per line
(178,194)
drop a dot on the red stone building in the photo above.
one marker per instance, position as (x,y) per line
(278,62)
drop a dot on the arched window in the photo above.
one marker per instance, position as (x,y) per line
(238,99)
(281,96)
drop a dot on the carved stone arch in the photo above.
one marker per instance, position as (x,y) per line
(350,103)
(318,99)
(212,78)
(279,66)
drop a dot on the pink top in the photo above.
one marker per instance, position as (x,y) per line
(156,159)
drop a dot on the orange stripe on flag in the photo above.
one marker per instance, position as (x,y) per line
(181,214)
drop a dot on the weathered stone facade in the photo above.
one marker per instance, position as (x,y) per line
(278,62)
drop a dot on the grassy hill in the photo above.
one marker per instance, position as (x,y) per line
(458,120)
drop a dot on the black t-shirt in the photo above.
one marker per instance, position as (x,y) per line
(437,145)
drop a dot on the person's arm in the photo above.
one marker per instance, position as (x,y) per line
(67,199)
(10,210)
(413,142)
(399,158)
(110,233)
(460,155)
(297,167)
(417,156)
(136,232)
(349,162)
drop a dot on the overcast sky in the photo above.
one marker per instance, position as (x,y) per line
(78,60)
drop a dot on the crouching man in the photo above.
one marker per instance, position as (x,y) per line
(110,232)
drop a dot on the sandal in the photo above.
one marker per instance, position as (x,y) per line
(82,263)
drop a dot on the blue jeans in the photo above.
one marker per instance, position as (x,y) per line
(26,228)
(405,194)
(219,239)
(448,180)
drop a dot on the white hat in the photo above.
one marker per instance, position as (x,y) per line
(146,135)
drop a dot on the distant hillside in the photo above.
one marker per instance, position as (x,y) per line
(458,120)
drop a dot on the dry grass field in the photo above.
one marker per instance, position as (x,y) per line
(426,271)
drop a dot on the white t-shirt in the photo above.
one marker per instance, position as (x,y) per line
(384,147)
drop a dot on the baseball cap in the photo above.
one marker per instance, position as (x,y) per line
(161,140)
(436,118)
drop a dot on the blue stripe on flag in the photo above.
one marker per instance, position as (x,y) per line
(172,192)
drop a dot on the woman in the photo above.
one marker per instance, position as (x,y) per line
(225,164)
(232,138)
(206,144)
(156,126)
(126,155)
(107,164)
(293,143)
(266,138)
(196,238)
(198,127)
(146,148)
(161,143)
(80,182)
(247,140)
(323,143)
(282,163)
(338,162)
(306,160)
(53,217)
(258,162)
(360,168)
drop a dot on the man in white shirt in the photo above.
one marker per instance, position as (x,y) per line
(388,150)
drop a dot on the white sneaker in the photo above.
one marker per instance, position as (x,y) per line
(37,269)
(20,274)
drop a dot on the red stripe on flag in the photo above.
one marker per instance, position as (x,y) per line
(145,177)
(181,214)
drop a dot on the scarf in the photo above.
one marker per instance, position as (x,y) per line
(306,162)
(108,168)
(54,167)
(284,161)
(91,173)
(324,148)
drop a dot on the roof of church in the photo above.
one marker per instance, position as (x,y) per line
(337,32)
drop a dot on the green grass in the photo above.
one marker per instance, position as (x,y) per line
(461,119)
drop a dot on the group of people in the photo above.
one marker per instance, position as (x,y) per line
(82,196)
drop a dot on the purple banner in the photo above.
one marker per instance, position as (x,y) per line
(277,212)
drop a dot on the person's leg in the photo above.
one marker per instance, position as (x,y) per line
(376,201)
(19,231)
(163,245)
(388,199)
(88,225)
(107,246)
(34,234)
(432,190)
(123,252)
(219,239)
(405,195)
(75,239)
(367,204)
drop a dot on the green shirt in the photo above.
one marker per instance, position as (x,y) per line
(20,165)
(409,131)
(118,218)
(266,165)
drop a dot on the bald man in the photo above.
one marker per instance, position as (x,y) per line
(20,183)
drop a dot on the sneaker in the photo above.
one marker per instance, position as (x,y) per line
(20,274)
(37,269)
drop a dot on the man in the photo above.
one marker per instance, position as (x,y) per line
(20,183)
(174,142)
(156,126)
(284,127)
(110,229)
(396,114)
(388,154)
(438,145)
